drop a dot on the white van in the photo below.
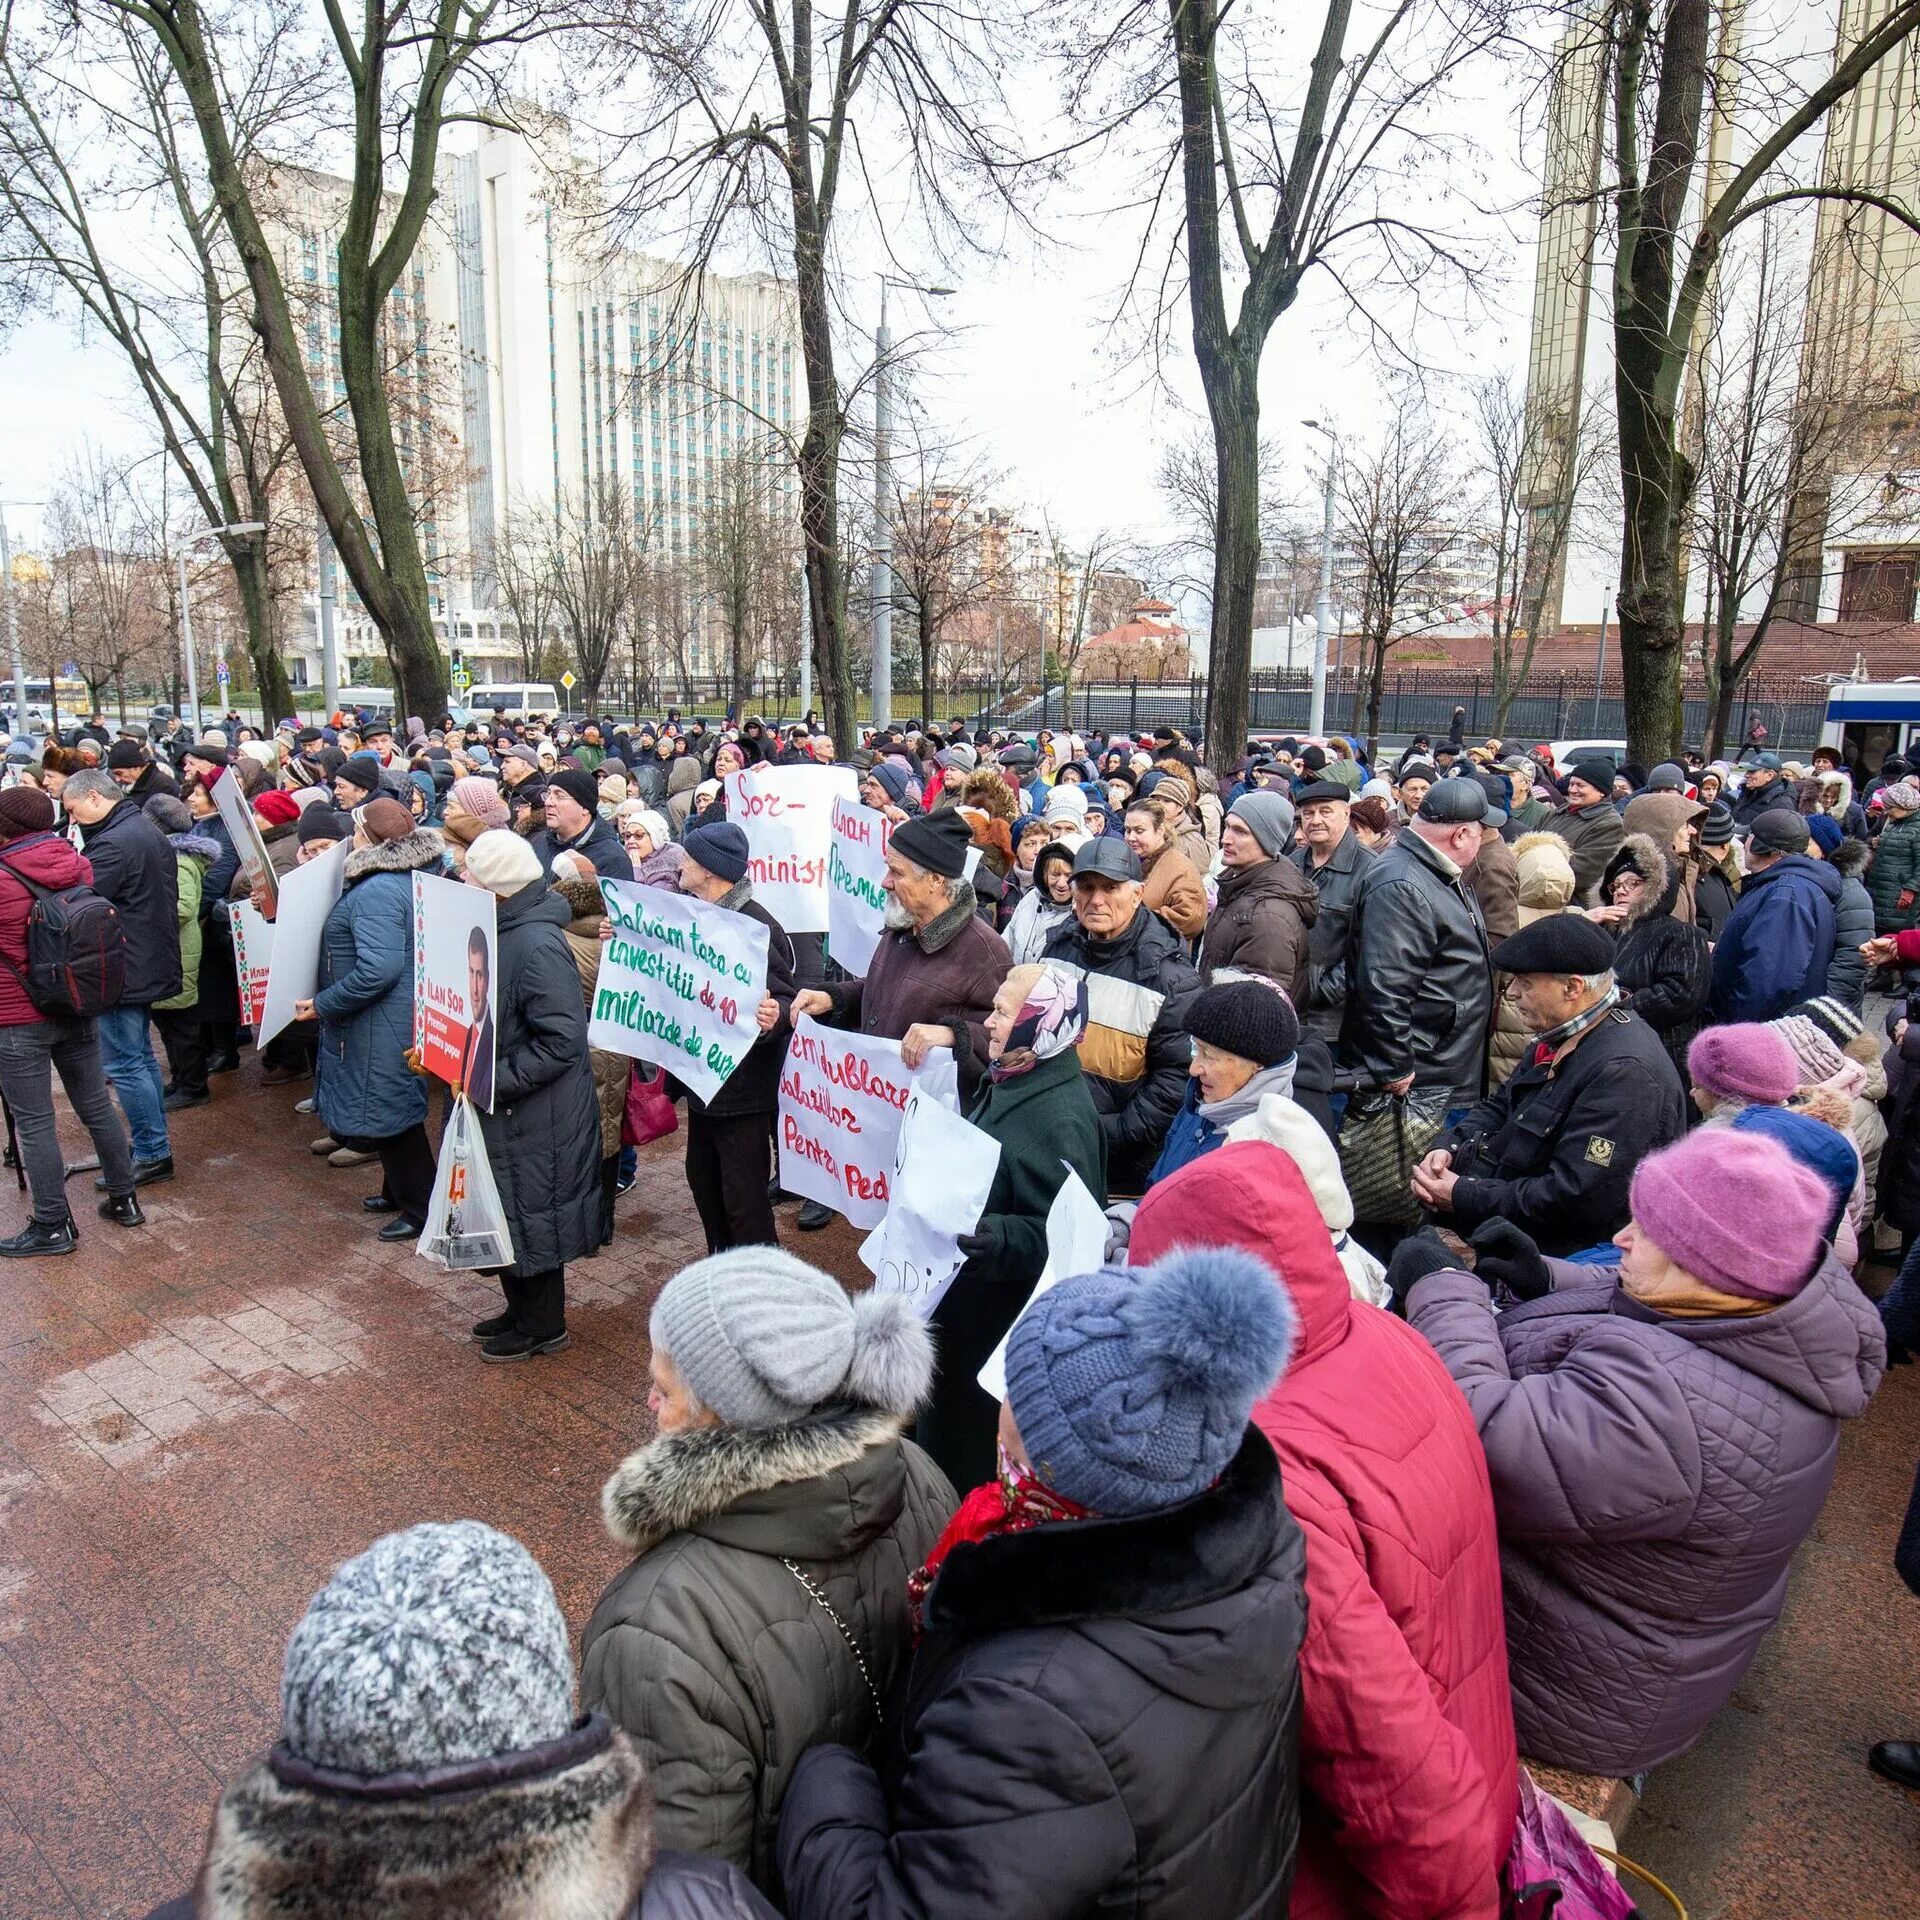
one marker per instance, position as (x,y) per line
(516,699)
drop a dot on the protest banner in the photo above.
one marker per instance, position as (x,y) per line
(1076,1243)
(842,1099)
(306,898)
(252,951)
(680,984)
(943,1170)
(787,815)
(856,902)
(456,988)
(243,829)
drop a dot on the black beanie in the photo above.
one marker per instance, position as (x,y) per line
(321,822)
(939,842)
(580,787)
(126,753)
(1252,1019)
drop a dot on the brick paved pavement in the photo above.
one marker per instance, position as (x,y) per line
(198,1422)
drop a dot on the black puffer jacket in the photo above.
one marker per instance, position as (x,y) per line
(543,1135)
(1664,968)
(1135,1050)
(134,868)
(1338,886)
(1103,1717)
(1419,982)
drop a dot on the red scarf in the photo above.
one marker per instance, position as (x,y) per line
(1015,1502)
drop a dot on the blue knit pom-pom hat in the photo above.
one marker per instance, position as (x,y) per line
(1131,1387)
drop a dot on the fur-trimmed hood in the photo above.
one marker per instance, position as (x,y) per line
(419,851)
(1642,854)
(196,846)
(585,901)
(681,1480)
(563,1829)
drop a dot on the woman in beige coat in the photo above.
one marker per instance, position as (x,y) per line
(1545,886)
(1173,889)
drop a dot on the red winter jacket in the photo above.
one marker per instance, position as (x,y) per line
(1407,1760)
(51,860)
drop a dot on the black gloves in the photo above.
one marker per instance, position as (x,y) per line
(981,1244)
(1505,1256)
(1418,1255)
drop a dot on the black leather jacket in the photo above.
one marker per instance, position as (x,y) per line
(1419,982)
(1338,885)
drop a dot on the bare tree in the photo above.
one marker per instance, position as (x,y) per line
(526,571)
(771,142)
(1343,165)
(1529,487)
(745,550)
(1677,200)
(940,492)
(1771,411)
(1188,479)
(599,566)
(1396,504)
(1082,601)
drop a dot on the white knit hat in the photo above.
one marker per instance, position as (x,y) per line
(503,862)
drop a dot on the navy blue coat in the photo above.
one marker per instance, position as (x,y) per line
(1775,950)
(363,1087)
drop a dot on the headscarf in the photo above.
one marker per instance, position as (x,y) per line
(1051,1019)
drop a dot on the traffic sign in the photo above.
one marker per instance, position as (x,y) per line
(221,672)
(462,679)
(566,680)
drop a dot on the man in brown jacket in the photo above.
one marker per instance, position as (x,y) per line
(1266,904)
(937,967)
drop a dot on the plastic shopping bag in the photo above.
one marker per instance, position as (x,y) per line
(466,1224)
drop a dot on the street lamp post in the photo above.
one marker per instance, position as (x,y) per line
(1323,602)
(881,589)
(16,659)
(234,529)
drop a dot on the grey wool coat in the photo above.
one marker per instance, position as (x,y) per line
(710,1651)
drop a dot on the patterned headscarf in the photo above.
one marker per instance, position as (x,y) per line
(1051,1019)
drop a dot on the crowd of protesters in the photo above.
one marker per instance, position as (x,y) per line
(1508,1199)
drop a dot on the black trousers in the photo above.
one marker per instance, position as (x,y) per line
(184,1038)
(729,1163)
(219,1007)
(609,1192)
(407,1169)
(538,1302)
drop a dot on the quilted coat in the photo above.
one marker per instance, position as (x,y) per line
(1407,1763)
(1263,923)
(543,1135)
(1775,948)
(1545,885)
(1894,878)
(712,1654)
(1664,967)
(1653,1477)
(1101,1719)
(363,1088)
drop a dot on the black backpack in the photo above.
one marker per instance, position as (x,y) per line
(76,948)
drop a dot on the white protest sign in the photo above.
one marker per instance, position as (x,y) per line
(1076,1243)
(943,1170)
(243,829)
(252,952)
(787,815)
(856,864)
(680,984)
(307,895)
(842,1099)
(456,988)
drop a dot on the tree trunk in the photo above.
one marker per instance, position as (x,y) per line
(1232,383)
(269,670)
(1376,694)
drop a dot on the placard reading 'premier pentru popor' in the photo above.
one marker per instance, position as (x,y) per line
(680,984)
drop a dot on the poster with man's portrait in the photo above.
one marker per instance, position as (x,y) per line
(455,984)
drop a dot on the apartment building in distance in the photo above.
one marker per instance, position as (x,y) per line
(548,363)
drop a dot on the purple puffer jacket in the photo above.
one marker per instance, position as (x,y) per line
(1652,1478)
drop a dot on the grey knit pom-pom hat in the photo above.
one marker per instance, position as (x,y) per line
(762,1339)
(439,1644)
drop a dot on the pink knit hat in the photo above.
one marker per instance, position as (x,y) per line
(1749,1061)
(481,798)
(1735,1210)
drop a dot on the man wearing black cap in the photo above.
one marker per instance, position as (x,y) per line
(1776,947)
(1331,856)
(933,976)
(1136,1051)
(1553,1151)
(1591,826)
(574,826)
(1419,984)
(134,768)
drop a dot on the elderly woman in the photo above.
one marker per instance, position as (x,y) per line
(1663,963)
(543,1134)
(363,1090)
(1371,822)
(1245,1039)
(1173,890)
(773,1522)
(650,845)
(1036,1105)
(1661,1436)
(1045,905)
(473,806)
(575,881)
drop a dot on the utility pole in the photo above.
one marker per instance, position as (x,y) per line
(806,648)
(15,659)
(1600,665)
(329,656)
(1323,604)
(234,531)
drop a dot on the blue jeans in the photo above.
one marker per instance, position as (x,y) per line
(1900,1309)
(127,1048)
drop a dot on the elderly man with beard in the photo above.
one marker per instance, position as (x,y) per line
(938,965)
